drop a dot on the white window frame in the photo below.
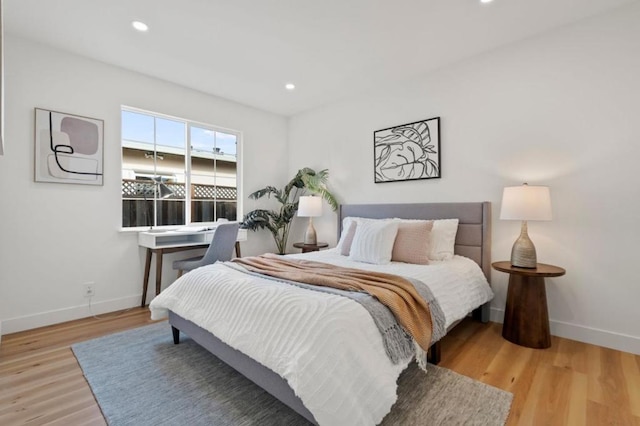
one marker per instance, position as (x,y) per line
(187,169)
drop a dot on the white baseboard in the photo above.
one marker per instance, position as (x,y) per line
(594,336)
(14,325)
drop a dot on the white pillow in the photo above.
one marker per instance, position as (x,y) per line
(346,223)
(373,241)
(349,233)
(349,225)
(443,239)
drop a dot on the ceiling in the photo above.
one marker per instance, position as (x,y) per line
(246,50)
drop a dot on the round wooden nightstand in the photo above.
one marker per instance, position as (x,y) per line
(526,318)
(306,248)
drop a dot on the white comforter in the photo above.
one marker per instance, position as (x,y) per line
(327,347)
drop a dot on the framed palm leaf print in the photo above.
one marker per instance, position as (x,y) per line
(408,152)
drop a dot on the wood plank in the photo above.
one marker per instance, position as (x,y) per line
(90,416)
(595,391)
(521,388)
(613,382)
(602,414)
(473,360)
(28,396)
(508,366)
(577,413)
(475,354)
(571,355)
(48,409)
(631,372)
(548,402)
(33,360)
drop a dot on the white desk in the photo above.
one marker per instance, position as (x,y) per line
(161,242)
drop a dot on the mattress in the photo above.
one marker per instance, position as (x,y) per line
(461,289)
(325,346)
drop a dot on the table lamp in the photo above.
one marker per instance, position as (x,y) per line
(525,203)
(309,206)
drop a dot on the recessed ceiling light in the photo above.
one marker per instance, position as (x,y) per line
(140,26)
(290,86)
(486,1)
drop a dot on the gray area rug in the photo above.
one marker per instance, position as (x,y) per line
(139,377)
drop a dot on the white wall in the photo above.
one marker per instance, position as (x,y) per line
(54,237)
(559,110)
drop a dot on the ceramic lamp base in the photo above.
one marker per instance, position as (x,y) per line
(310,236)
(523,252)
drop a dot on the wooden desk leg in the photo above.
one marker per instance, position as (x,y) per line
(238,254)
(526,318)
(145,282)
(159,254)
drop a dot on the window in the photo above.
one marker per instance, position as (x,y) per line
(176,172)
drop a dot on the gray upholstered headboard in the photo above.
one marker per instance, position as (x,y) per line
(473,239)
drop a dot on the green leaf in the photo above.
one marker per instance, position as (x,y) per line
(329,198)
(264,191)
(279,222)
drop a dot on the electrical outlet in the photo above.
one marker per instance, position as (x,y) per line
(88,289)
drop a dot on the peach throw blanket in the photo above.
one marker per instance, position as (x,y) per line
(396,293)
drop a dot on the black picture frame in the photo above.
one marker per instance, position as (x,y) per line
(407,152)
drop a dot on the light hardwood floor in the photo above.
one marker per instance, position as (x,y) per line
(571,383)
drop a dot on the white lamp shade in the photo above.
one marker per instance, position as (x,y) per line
(309,206)
(526,202)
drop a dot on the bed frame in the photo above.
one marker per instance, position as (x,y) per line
(473,240)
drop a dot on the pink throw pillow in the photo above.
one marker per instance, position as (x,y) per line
(412,242)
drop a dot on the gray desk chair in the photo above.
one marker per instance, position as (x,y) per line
(221,248)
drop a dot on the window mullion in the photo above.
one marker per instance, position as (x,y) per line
(215,176)
(154,222)
(187,177)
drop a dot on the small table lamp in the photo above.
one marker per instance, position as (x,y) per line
(525,203)
(310,207)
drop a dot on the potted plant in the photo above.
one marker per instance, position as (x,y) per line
(279,221)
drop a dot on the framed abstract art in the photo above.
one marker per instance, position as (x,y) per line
(407,152)
(69,148)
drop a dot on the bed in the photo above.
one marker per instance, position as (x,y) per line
(472,242)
